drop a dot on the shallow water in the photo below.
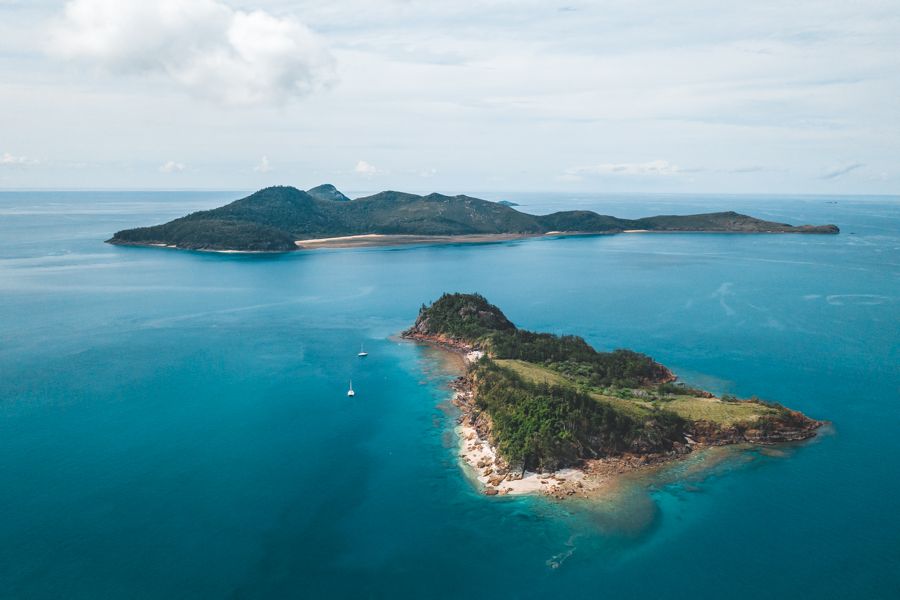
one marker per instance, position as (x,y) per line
(175,424)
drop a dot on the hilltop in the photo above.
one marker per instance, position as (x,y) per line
(327,191)
(276,219)
(544,402)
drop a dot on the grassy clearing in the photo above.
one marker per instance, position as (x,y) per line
(713,409)
(689,407)
(533,373)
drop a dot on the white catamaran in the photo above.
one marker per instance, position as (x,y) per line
(350,392)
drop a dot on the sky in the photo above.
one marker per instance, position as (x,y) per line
(674,96)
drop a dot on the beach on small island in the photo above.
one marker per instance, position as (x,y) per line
(737,424)
(479,457)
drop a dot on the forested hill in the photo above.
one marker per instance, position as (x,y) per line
(472,320)
(272,219)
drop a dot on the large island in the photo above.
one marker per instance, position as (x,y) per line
(542,412)
(282,219)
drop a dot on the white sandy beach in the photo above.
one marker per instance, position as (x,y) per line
(478,455)
(379,239)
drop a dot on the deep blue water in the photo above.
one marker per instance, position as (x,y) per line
(175,425)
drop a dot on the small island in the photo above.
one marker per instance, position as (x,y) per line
(550,414)
(284,219)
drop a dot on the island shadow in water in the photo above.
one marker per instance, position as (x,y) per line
(629,514)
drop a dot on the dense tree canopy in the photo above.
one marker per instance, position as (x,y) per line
(545,427)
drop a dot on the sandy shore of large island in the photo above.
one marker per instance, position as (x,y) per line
(370,240)
(376,240)
(380,240)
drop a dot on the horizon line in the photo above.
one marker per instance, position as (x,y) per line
(529,192)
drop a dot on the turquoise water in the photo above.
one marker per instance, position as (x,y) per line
(175,424)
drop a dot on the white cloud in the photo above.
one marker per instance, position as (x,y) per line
(172,167)
(7,159)
(263,166)
(227,55)
(364,168)
(654,167)
(842,170)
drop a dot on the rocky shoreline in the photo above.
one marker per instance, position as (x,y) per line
(498,479)
(115,242)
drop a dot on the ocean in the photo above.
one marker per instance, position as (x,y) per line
(175,424)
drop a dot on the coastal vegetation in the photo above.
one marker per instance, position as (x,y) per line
(274,218)
(548,426)
(547,401)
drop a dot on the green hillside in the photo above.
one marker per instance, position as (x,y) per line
(273,218)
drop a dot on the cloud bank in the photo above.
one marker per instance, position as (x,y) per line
(653,167)
(211,50)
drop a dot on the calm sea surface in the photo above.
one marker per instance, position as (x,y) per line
(175,424)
